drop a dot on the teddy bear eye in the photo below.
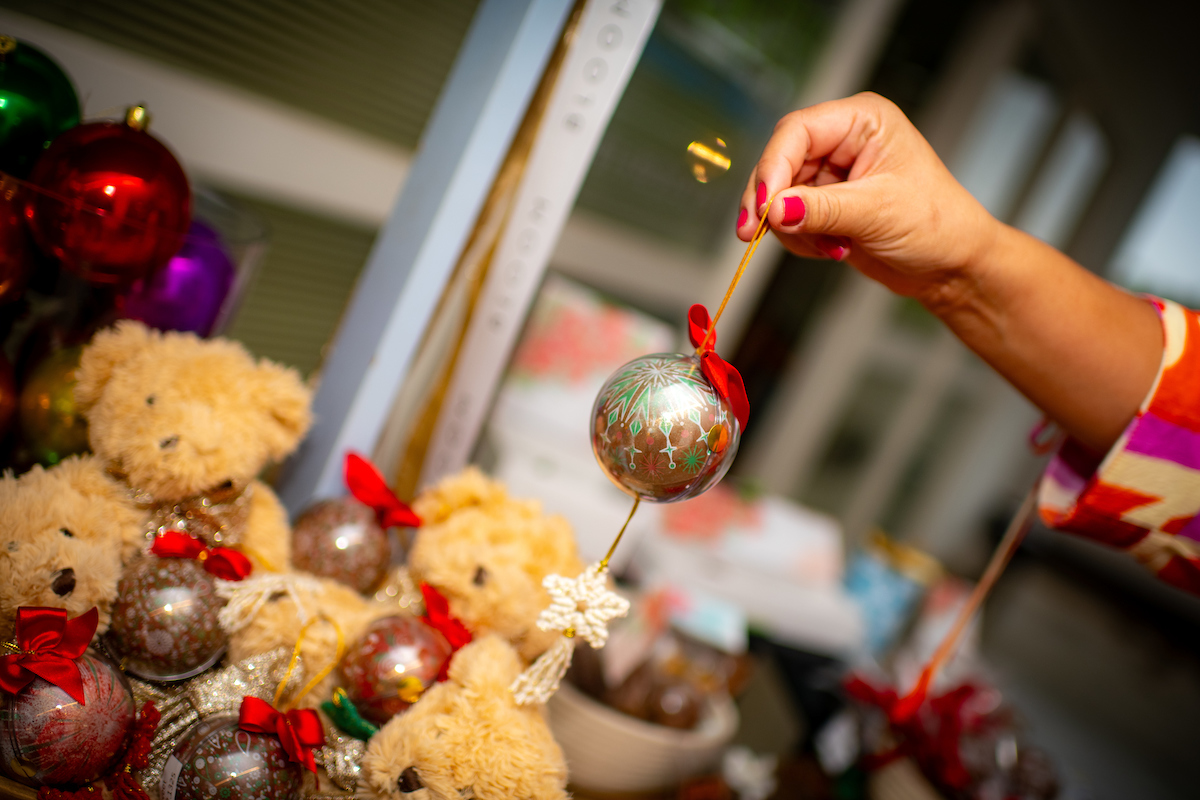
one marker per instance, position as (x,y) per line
(66,532)
(409,781)
(150,400)
(481,576)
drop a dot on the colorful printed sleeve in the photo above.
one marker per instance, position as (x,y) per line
(1144,495)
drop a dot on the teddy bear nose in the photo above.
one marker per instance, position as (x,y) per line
(64,582)
(409,781)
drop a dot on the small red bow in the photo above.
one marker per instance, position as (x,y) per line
(221,562)
(370,489)
(724,376)
(49,644)
(299,730)
(438,617)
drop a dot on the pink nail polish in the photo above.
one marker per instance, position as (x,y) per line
(760,196)
(793,210)
(741,219)
(836,247)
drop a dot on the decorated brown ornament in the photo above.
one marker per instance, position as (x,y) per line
(218,760)
(164,621)
(47,738)
(341,539)
(392,664)
(660,429)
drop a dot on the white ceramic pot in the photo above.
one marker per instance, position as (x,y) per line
(608,751)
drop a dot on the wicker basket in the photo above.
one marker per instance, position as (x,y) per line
(608,751)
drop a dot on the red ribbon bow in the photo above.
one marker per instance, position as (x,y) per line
(370,489)
(438,617)
(299,730)
(724,376)
(49,643)
(221,562)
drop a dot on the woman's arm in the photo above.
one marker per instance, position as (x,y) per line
(854,179)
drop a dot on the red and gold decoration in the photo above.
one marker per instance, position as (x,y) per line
(224,563)
(51,423)
(165,619)
(66,713)
(392,664)
(110,203)
(37,103)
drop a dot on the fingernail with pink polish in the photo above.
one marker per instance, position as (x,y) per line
(836,247)
(760,195)
(793,210)
(741,219)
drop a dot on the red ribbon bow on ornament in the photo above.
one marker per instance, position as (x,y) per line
(48,643)
(724,376)
(221,562)
(370,489)
(299,730)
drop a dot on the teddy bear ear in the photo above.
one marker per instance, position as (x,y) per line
(285,402)
(486,664)
(107,349)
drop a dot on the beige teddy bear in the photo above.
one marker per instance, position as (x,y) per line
(488,553)
(189,424)
(64,533)
(467,737)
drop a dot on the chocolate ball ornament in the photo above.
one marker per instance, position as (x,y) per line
(49,739)
(660,430)
(114,205)
(50,420)
(216,760)
(164,620)
(37,103)
(392,664)
(341,539)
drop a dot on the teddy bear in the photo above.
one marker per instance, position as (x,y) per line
(188,424)
(65,533)
(468,737)
(488,554)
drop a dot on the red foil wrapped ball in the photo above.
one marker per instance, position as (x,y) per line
(341,539)
(216,760)
(392,664)
(113,204)
(164,620)
(49,739)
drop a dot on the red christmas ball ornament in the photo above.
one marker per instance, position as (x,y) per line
(392,664)
(16,254)
(112,204)
(49,739)
(164,622)
(217,760)
(341,539)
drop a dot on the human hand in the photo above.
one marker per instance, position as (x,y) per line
(854,179)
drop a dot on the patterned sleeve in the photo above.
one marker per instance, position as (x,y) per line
(1144,494)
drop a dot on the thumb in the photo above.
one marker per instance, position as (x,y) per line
(846,208)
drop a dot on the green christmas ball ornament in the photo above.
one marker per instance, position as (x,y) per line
(37,103)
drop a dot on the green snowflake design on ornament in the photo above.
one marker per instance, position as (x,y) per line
(631,391)
(694,457)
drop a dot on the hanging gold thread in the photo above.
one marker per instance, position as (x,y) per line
(320,676)
(604,562)
(759,232)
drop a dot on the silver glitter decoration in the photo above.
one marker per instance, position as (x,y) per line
(399,589)
(341,757)
(218,691)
